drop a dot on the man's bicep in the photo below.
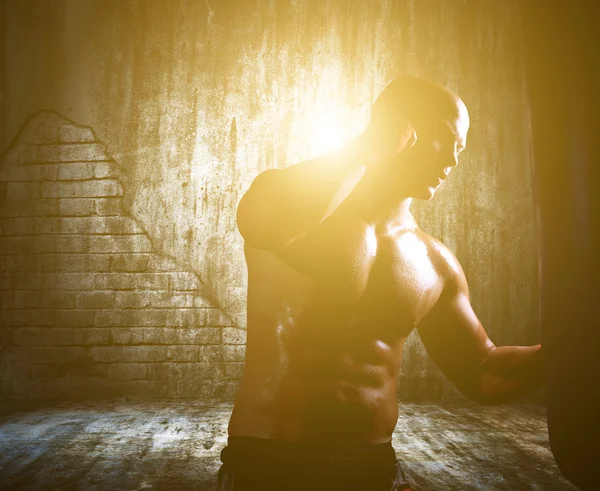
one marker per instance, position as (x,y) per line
(454,336)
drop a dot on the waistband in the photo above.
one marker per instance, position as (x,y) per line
(246,449)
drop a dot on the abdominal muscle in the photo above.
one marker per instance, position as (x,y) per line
(318,389)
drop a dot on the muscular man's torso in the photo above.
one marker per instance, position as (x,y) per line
(323,354)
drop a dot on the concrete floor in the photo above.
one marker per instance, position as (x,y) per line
(164,446)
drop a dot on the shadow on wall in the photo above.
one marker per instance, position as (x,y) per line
(88,309)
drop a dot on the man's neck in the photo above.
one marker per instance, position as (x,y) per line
(395,217)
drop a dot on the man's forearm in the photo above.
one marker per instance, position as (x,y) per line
(510,372)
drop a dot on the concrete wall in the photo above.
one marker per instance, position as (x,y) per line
(193,99)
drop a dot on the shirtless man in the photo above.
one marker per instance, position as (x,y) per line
(339,274)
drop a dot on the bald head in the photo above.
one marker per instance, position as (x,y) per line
(421,102)
(437,115)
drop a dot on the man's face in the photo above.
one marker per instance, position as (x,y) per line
(440,141)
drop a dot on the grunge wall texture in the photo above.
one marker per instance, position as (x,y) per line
(186,102)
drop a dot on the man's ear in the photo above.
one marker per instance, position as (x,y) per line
(408,135)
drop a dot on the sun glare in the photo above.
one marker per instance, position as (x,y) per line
(325,120)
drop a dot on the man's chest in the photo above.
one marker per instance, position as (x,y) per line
(394,284)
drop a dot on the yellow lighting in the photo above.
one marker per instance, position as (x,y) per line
(327,126)
(326,114)
(327,134)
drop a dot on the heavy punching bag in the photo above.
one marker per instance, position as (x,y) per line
(562,54)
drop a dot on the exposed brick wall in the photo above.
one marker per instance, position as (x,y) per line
(88,308)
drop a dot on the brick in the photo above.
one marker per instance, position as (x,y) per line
(14,317)
(29,336)
(54,354)
(158,335)
(117,225)
(95,225)
(42,317)
(131,318)
(70,243)
(91,336)
(27,245)
(148,353)
(77,207)
(165,335)
(74,263)
(129,371)
(137,262)
(20,263)
(109,206)
(74,152)
(8,280)
(95,300)
(132,281)
(127,335)
(58,299)
(7,336)
(20,225)
(233,335)
(234,352)
(119,243)
(22,190)
(158,371)
(76,318)
(198,371)
(7,226)
(70,281)
(58,336)
(7,299)
(28,207)
(96,188)
(69,133)
(13,355)
(47,281)
(182,353)
(30,172)
(234,370)
(43,299)
(197,318)
(157,299)
(74,171)
(103,170)
(112,354)
(209,354)
(131,299)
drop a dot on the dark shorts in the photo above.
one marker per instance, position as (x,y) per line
(257,464)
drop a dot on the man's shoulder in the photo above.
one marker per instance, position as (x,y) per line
(443,258)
